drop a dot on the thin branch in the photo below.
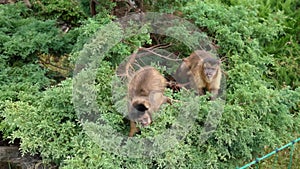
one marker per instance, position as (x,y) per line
(129,64)
(157,54)
(160,46)
(47,62)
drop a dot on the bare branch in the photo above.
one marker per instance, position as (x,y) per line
(160,46)
(157,54)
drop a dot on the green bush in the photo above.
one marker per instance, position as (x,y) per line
(44,126)
(69,12)
(16,82)
(265,33)
(22,84)
(259,110)
(23,38)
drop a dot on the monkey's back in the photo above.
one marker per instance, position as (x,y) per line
(145,81)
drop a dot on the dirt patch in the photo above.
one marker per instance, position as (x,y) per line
(11,158)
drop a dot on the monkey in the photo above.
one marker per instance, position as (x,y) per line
(206,74)
(145,96)
(209,76)
(183,72)
(182,75)
(202,71)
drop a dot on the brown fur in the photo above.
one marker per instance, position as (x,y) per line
(195,68)
(145,94)
(183,73)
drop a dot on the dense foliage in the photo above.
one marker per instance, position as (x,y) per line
(259,43)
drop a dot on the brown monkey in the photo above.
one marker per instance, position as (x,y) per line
(203,72)
(145,94)
(183,72)
(206,74)
(182,75)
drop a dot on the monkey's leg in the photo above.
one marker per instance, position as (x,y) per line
(133,129)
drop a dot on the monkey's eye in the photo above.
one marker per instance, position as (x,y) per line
(211,69)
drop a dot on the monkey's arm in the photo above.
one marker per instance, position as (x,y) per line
(200,91)
(215,86)
(200,86)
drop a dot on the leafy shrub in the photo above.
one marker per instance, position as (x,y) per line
(20,84)
(257,33)
(23,38)
(88,33)
(22,79)
(44,126)
(69,12)
(250,99)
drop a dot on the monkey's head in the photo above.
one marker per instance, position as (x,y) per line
(210,68)
(139,112)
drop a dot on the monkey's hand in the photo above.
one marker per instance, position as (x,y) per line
(171,101)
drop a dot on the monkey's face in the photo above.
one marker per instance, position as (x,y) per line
(210,70)
(145,119)
(140,112)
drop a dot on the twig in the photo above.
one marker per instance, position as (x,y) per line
(150,51)
(160,46)
(128,65)
(225,73)
(47,62)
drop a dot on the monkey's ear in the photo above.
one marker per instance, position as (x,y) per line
(141,106)
(184,60)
